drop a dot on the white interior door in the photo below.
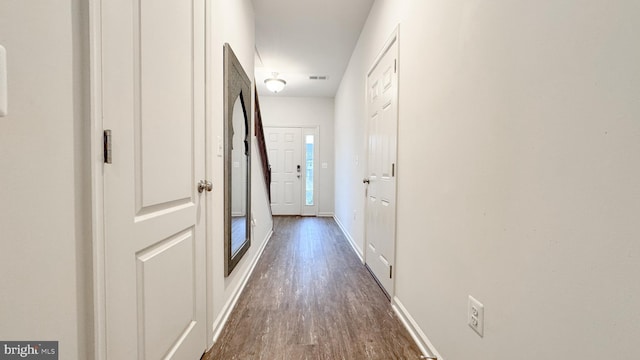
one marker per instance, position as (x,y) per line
(382,110)
(153,101)
(285,154)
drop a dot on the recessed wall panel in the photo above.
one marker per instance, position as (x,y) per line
(373,92)
(275,161)
(289,189)
(166,288)
(387,78)
(288,137)
(165,102)
(289,166)
(386,141)
(275,193)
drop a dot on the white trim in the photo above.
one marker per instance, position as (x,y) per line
(211,153)
(97,178)
(219,323)
(350,239)
(425,345)
(326,214)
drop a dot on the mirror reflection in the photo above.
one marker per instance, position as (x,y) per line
(238,178)
(237,161)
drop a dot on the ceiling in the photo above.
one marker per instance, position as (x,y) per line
(302,38)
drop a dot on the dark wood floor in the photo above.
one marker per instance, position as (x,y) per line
(310,297)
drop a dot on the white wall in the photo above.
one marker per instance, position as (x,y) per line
(44,210)
(518,177)
(308,112)
(229,22)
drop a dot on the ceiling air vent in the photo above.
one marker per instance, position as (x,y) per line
(318,77)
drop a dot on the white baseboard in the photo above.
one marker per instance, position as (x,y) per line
(426,347)
(350,239)
(219,323)
(325,214)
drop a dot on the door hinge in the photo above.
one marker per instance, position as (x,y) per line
(393,170)
(107,146)
(390,271)
(395,66)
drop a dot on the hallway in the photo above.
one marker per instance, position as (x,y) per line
(311,298)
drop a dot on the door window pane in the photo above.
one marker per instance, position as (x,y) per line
(309,149)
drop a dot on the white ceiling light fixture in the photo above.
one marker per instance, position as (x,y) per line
(274,84)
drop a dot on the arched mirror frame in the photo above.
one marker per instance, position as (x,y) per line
(236,85)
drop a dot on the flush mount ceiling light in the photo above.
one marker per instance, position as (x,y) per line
(274,84)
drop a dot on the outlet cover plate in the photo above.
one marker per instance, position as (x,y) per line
(475,315)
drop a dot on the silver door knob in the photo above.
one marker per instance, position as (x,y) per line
(205,185)
(365,181)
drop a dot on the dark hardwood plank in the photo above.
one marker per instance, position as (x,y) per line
(310,297)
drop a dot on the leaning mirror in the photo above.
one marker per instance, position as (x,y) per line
(237,160)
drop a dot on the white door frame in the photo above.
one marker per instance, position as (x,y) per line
(208,169)
(394,38)
(97,178)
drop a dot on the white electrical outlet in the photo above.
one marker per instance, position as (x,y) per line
(475,315)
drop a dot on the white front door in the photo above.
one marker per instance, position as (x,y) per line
(285,155)
(153,102)
(382,111)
